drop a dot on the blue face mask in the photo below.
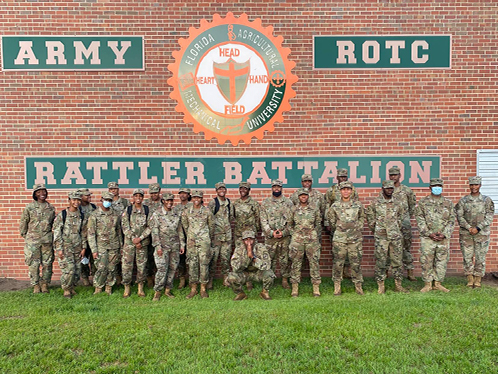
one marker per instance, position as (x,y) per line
(437,190)
(106,204)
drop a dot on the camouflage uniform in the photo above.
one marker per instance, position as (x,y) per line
(70,238)
(222,241)
(120,205)
(182,265)
(275,214)
(434,214)
(199,225)
(89,268)
(245,269)
(475,211)
(304,224)
(36,228)
(384,218)
(346,219)
(167,235)
(247,216)
(105,238)
(136,225)
(154,206)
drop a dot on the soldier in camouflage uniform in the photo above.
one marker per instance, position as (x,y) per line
(198,222)
(88,265)
(222,243)
(184,195)
(251,262)
(275,214)
(475,214)
(435,219)
(247,216)
(35,227)
(118,203)
(106,239)
(169,243)
(407,198)
(346,218)
(135,224)
(154,204)
(304,223)
(70,243)
(332,195)
(385,216)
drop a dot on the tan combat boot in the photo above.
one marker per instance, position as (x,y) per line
(204,293)
(477,282)
(140,291)
(97,290)
(67,294)
(249,286)
(157,296)
(36,288)
(182,283)
(295,290)
(167,292)
(86,282)
(410,275)
(225,282)
(398,287)
(241,296)
(265,295)
(470,281)
(382,288)
(127,291)
(438,286)
(209,285)
(285,284)
(427,287)
(108,290)
(150,281)
(193,291)
(44,288)
(358,288)
(316,290)
(337,288)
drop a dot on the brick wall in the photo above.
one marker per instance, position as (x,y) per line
(451,113)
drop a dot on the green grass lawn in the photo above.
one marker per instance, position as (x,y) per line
(393,333)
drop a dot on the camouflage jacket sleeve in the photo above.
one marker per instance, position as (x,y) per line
(154,230)
(331,218)
(361,217)
(184,221)
(448,229)
(265,226)
(459,211)
(318,221)
(370,214)
(119,228)
(146,233)
(412,202)
(489,208)
(291,222)
(84,232)
(92,233)
(58,229)
(257,210)
(181,235)
(355,196)
(23,223)
(422,220)
(210,221)
(125,225)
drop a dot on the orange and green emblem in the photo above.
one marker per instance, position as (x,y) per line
(232,79)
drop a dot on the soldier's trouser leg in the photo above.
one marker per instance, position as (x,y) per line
(355,254)
(296,253)
(77,268)
(468,248)
(102,262)
(383,249)
(340,250)
(283,257)
(142,256)
(182,265)
(441,257)
(47,261)
(225,255)
(114,260)
(198,260)
(193,261)
(215,253)
(67,266)
(396,257)
(204,259)
(162,269)
(427,258)
(237,280)
(127,261)
(150,268)
(406,231)
(264,276)
(313,255)
(481,250)
(174,259)
(32,258)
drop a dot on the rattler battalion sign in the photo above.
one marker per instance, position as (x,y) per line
(204,173)
(382,52)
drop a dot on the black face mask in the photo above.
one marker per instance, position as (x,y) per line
(277,194)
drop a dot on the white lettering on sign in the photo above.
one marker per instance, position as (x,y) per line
(97,171)
(195,170)
(119,52)
(345,49)
(123,171)
(26,52)
(394,46)
(80,51)
(55,53)
(144,179)
(281,166)
(233,172)
(73,172)
(44,173)
(375,47)
(170,171)
(415,56)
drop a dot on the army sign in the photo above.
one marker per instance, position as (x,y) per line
(232,79)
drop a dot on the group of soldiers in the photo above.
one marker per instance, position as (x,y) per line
(161,239)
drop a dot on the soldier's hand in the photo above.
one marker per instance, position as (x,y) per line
(60,254)
(433,237)
(182,251)
(159,252)
(82,253)
(95,255)
(136,240)
(138,246)
(250,254)
(473,231)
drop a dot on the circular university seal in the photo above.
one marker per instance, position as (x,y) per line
(232,79)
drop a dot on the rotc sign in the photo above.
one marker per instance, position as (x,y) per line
(232,79)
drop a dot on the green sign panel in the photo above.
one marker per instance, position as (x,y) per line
(382,52)
(203,173)
(72,53)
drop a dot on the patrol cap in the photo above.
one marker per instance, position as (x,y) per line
(475,180)
(436,182)
(245,184)
(154,188)
(303,191)
(74,195)
(84,191)
(106,195)
(248,234)
(388,184)
(112,185)
(277,182)
(306,177)
(38,187)
(219,185)
(184,189)
(139,191)
(168,196)
(394,170)
(346,184)
(342,172)
(197,193)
